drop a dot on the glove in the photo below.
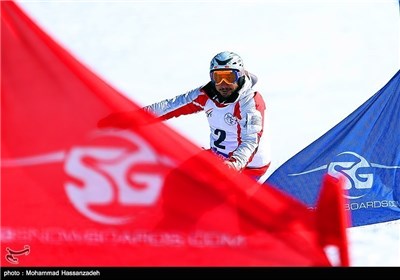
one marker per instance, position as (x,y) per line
(232,163)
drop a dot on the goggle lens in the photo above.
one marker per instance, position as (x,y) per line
(229,76)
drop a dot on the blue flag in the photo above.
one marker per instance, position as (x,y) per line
(365,148)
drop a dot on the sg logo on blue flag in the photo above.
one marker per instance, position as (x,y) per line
(365,149)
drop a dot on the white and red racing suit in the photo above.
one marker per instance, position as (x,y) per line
(236,123)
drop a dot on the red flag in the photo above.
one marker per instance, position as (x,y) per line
(332,219)
(75,195)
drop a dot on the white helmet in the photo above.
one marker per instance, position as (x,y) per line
(227,60)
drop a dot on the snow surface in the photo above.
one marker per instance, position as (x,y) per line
(317,61)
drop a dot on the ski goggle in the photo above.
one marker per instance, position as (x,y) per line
(229,76)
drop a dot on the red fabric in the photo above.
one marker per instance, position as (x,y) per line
(332,219)
(255,172)
(75,195)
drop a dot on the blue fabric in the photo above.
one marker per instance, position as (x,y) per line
(365,148)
